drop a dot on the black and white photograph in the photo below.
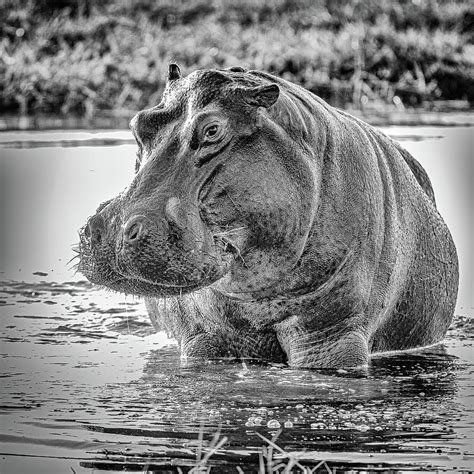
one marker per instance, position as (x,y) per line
(236,236)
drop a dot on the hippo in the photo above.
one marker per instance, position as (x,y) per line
(262,223)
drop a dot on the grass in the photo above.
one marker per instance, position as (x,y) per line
(84,57)
(272,459)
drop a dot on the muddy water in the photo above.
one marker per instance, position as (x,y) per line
(87,386)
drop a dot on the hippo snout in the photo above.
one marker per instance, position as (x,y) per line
(102,231)
(157,248)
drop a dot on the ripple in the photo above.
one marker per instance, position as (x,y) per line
(85,371)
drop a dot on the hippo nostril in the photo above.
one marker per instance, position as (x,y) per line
(96,237)
(94,229)
(133,230)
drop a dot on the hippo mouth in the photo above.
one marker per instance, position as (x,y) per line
(130,284)
(145,288)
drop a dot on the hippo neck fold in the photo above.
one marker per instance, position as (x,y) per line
(301,293)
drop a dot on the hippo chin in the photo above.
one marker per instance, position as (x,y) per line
(263,223)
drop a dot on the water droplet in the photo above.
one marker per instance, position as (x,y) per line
(273,424)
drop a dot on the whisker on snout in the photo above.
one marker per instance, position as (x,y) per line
(72,259)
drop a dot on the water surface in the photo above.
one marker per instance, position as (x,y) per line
(87,385)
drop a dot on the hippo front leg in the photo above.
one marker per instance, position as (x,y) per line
(179,320)
(230,343)
(327,349)
(201,332)
(202,346)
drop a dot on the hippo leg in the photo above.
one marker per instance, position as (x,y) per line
(198,337)
(322,349)
(233,344)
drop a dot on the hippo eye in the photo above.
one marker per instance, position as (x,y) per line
(211,132)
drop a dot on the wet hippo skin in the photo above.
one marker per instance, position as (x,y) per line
(264,223)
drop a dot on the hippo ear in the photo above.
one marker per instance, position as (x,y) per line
(173,72)
(236,69)
(261,96)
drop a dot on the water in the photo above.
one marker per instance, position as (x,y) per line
(87,386)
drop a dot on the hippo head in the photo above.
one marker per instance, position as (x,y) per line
(220,196)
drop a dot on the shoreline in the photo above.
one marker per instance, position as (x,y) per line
(378,116)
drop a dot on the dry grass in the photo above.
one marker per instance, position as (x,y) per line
(272,458)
